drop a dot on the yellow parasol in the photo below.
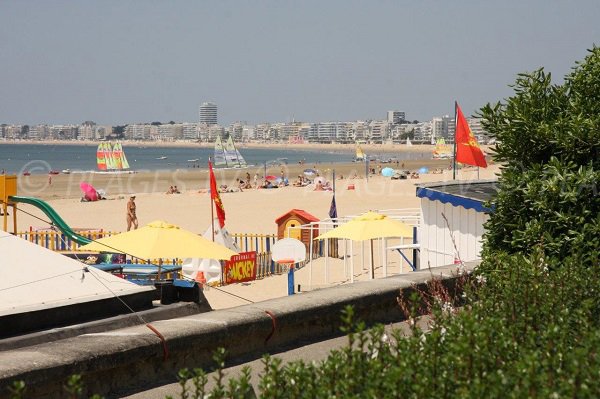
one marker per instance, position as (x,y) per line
(369,226)
(161,240)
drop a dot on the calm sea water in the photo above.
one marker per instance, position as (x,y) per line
(40,158)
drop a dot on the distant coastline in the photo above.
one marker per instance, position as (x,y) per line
(349,148)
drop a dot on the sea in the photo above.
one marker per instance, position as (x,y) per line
(41,158)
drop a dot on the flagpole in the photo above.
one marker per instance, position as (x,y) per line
(334,182)
(454,152)
(212,212)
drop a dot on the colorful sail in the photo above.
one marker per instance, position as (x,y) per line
(360,155)
(119,156)
(100,157)
(219,152)
(124,162)
(111,163)
(442,150)
(230,154)
(116,153)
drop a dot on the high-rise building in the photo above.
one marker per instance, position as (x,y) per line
(208,113)
(395,117)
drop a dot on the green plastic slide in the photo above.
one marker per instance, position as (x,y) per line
(53,216)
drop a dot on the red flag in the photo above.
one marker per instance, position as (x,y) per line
(214,195)
(467,148)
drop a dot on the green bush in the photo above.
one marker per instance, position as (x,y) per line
(548,141)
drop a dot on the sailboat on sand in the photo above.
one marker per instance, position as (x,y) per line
(227,155)
(111,158)
(360,155)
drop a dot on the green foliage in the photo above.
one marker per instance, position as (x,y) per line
(548,141)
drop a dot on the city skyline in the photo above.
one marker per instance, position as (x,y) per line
(126,62)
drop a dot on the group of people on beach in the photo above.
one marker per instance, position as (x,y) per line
(173,190)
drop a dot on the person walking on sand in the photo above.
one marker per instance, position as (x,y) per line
(131,216)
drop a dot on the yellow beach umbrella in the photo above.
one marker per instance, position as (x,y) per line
(369,226)
(161,240)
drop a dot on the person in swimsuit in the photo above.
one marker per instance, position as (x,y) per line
(131,216)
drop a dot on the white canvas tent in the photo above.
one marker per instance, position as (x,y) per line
(210,267)
(35,281)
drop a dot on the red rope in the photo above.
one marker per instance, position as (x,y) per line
(162,340)
(273,325)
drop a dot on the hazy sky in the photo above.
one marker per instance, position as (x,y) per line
(117,62)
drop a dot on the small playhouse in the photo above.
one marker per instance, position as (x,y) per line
(289,223)
(452,219)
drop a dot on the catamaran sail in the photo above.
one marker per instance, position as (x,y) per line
(119,156)
(360,155)
(232,155)
(110,157)
(219,152)
(101,157)
(442,150)
(124,162)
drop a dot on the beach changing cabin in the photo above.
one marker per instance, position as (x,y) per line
(464,206)
(293,219)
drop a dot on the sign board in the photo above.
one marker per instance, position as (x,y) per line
(288,249)
(240,268)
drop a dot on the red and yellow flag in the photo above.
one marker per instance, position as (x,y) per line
(214,195)
(467,148)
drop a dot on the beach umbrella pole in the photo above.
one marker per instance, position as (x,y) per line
(327,261)
(346,258)
(362,254)
(372,262)
(351,261)
(384,245)
(159,273)
(310,252)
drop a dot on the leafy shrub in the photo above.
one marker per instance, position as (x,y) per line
(548,140)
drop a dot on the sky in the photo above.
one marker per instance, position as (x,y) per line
(118,62)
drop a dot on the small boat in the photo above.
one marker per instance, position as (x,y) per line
(66,171)
(161,158)
(193,160)
(53,172)
(27,173)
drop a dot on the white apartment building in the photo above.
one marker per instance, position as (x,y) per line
(262,131)
(378,131)
(208,113)
(248,133)
(442,127)
(39,132)
(360,130)
(138,131)
(167,132)
(214,131)
(395,117)
(235,130)
(423,132)
(11,131)
(190,131)
(86,131)
(63,132)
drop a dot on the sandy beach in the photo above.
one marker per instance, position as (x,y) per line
(250,211)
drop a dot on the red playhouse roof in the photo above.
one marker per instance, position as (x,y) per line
(299,212)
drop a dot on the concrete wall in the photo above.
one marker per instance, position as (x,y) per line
(134,356)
